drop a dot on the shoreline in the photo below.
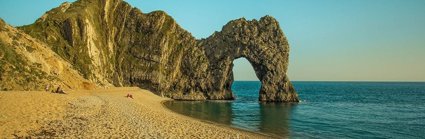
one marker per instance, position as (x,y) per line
(103,113)
(218,124)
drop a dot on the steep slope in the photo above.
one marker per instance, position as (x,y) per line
(110,42)
(27,64)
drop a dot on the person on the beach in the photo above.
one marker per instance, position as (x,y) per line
(47,87)
(129,96)
(59,90)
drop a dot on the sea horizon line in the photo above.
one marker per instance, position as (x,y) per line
(394,81)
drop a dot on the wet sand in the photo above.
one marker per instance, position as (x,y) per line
(102,113)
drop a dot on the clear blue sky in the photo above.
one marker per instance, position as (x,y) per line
(348,40)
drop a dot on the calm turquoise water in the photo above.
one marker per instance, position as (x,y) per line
(327,110)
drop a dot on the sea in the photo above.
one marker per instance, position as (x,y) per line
(327,110)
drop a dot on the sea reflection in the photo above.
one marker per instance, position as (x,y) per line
(271,118)
(275,118)
(220,112)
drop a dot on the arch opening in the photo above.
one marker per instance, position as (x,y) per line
(245,85)
(243,70)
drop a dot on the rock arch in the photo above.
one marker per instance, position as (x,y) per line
(151,51)
(264,45)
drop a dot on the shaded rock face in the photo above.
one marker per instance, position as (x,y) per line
(113,44)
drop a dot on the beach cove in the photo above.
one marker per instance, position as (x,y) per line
(102,113)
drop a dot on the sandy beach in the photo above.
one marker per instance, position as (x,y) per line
(102,113)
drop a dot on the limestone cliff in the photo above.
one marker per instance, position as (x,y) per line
(111,43)
(27,64)
(263,44)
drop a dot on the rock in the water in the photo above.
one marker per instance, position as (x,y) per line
(264,45)
(110,42)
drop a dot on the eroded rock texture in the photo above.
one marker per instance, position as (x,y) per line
(111,43)
(263,44)
(28,64)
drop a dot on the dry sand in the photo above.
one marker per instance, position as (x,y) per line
(104,113)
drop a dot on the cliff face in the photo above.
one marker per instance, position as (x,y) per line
(111,43)
(28,64)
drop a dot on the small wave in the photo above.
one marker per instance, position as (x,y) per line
(302,101)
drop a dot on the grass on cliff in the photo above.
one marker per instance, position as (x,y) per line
(17,74)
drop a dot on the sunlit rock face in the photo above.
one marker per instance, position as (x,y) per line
(264,45)
(113,44)
(28,64)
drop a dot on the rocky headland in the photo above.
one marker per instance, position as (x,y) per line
(107,43)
